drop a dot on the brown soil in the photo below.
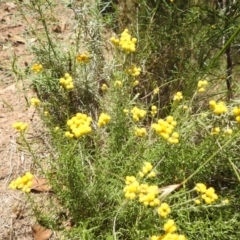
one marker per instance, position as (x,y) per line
(16,219)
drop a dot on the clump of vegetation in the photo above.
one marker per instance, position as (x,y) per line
(145,139)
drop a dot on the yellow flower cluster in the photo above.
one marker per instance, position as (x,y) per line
(169,227)
(126,42)
(201,85)
(20,126)
(147,170)
(83,58)
(165,128)
(177,97)
(218,108)
(207,194)
(24,183)
(66,81)
(200,187)
(118,84)
(236,112)
(103,120)
(79,125)
(164,210)
(147,194)
(134,71)
(37,68)
(169,236)
(35,102)
(138,113)
(153,110)
(140,132)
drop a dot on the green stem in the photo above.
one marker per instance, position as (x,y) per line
(230,40)
(31,151)
(46,31)
(234,169)
(209,159)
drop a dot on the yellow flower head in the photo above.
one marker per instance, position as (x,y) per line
(37,68)
(24,183)
(200,187)
(197,201)
(134,71)
(164,210)
(46,113)
(140,132)
(115,41)
(103,120)
(165,128)
(138,113)
(118,84)
(218,108)
(169,226)
(156,90)
(79,125)
(215,131)
(202,83)
(178,96)
(20,126)
(83,58)
(126,42)
(135,83)
(66,81)
(104,87)
(35,102)
(153,110)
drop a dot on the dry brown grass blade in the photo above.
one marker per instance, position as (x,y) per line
(168,190)
(16,39)
(41,233)
(40,185)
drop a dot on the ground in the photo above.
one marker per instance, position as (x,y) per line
(16,219)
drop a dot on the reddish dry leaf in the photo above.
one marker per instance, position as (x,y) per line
(41,233)
(40,185)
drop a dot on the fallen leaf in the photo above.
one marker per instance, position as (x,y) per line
(16,39)
(59,28)
(41,233)
(40,185)
(168,189)
(4,19)
(9,6)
